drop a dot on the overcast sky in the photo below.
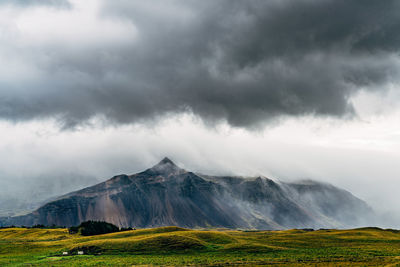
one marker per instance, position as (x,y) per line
(289,89)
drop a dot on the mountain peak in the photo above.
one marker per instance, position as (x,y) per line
(166,160)
(165,166)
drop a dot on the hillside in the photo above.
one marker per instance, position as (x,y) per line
(167,195)
(183,247)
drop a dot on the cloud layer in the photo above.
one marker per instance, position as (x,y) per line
(243,62)
(39,161)
(30,3)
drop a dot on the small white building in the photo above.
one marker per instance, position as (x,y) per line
(65,253)
(80,252)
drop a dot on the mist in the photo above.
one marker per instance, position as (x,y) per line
(56,162)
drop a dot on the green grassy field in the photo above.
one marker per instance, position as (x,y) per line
(177,246)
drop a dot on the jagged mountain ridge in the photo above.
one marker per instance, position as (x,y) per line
(168,195)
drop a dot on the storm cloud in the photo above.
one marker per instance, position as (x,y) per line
(243,62)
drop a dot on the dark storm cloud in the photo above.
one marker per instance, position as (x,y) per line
(246,62)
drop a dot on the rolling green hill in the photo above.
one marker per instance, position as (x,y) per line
(178,246)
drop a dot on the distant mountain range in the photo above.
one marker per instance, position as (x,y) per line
(168,195)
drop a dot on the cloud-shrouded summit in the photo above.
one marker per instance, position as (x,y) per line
(244,62)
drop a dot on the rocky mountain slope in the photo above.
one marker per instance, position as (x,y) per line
(168,195)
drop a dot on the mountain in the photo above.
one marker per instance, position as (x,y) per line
(168,195)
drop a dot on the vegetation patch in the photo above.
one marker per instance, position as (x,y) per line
(94,250)
(249,248)
(169,243)
(214,237)
(164,243)
(94,228)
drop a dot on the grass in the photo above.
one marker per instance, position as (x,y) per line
(183,247)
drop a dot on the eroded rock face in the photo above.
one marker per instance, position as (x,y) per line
(168,195)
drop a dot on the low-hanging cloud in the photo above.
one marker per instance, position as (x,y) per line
(243,62)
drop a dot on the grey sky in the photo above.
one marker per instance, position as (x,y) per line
(31,3)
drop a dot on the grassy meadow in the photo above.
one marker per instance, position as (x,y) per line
(183,247)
